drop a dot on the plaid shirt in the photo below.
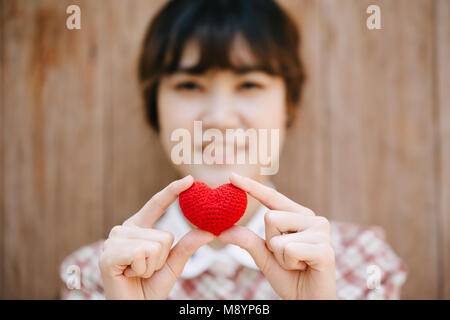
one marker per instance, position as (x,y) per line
(366,266)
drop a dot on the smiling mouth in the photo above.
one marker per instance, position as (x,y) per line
(225,146)
(237,148)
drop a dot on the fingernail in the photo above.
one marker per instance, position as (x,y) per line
(185,179)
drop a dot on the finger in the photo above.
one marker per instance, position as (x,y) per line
(159,203)
(141,233)
(179,255)
(280,222)
(305,236)
(114,262)
(278,247)
(145,255)
(269,197)
(294,264)
(289,263)
(155,260)
(151,260)
(138,265)
(253,244)
(152,266)
(163,237)
(317,256)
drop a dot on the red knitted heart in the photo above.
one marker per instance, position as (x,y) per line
(213,210)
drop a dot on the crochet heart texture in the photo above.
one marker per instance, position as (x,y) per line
(213,210)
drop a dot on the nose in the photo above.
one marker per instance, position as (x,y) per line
(221,112)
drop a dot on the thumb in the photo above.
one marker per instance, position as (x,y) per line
(186,247)
(252,243)
(180,254)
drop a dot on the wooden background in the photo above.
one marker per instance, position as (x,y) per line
(371,145)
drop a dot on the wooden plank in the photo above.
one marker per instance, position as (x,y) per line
(305,158)
(138,166)
(53,158)
(378,88)
(443,121)
(363,147)
(2,141)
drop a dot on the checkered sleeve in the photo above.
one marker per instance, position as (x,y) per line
(366,265)
(87,274)
(366,268)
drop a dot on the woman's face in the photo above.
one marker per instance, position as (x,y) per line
(221,99)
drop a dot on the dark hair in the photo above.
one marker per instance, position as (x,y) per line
(214,24)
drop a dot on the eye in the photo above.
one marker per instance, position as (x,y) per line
(188,86)
(248,85)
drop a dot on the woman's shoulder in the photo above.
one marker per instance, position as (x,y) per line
(345,236)
(81,267)
(367,267)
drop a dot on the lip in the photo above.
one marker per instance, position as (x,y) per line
(243,148)
(225,145)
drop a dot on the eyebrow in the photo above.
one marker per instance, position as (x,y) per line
(196,70)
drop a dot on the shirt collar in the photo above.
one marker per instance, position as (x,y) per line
(173,221)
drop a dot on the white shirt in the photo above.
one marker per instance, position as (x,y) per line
(205,257)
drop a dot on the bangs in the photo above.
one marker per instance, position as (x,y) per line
(214,27)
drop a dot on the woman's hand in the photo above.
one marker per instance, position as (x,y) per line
(297,257)
(137,261)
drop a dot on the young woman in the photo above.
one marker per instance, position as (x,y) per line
(230,64)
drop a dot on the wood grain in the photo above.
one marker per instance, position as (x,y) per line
(136,165)
(442,67)
(2,142)
(370,145)
(305,158)
(53,154)
(378,88)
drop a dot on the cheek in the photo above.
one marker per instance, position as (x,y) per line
(170,111)
(267,110)
(170,116)
(174,112)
